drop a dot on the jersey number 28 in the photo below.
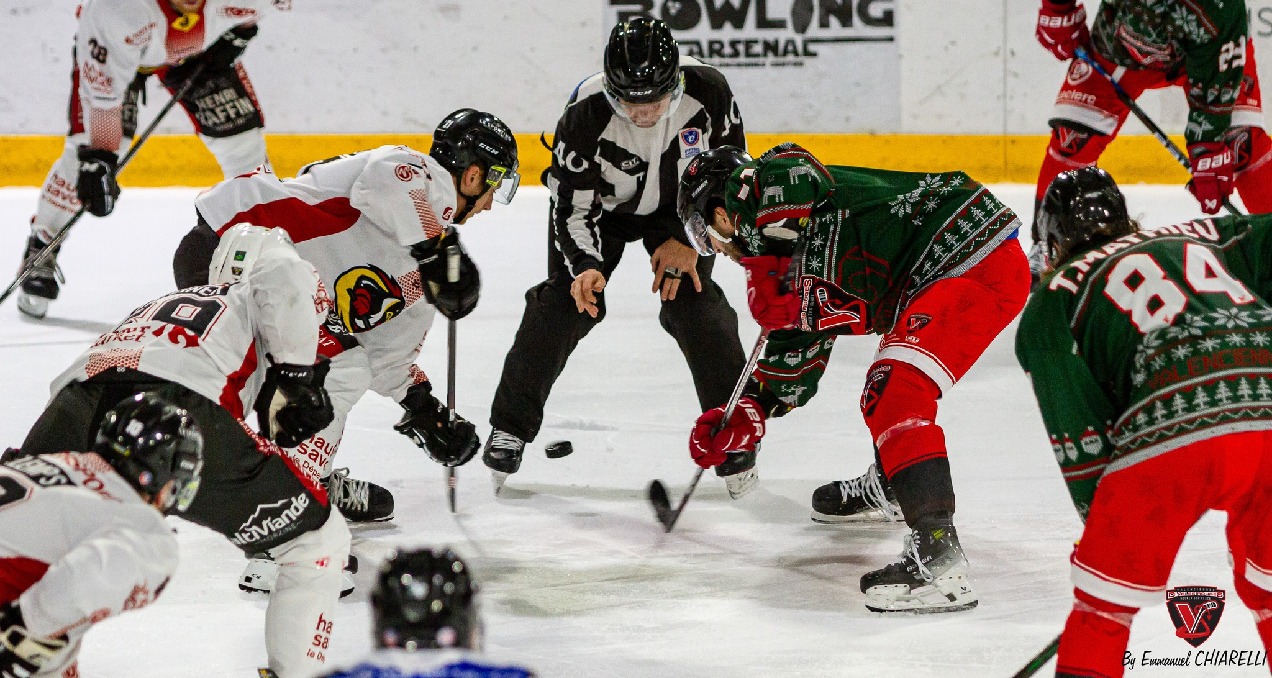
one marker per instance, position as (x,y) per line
(1140,287)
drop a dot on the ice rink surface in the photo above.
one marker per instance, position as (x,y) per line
(578,578)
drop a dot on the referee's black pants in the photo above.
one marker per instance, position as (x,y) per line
(703,324)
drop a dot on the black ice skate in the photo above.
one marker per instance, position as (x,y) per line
(41,286)
(931,575)
(261,572)
(502,456)
(865,498)
(359,501)
(738,472)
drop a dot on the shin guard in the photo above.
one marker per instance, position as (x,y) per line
(298,621)
(899,406)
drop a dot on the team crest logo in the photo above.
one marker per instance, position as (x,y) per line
(366,297)
(1078,72)
(1195,611)
(876,380)
(405,172)
(917,321)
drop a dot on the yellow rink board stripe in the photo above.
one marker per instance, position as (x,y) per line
(183,161)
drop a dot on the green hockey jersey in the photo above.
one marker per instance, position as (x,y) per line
(1150,342)
(1204,38)
(873,239)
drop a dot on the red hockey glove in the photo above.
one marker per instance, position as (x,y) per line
(1211,174)
(745,428)
(1062,27)
(772,306)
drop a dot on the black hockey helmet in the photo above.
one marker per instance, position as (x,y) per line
(425,599)
(642,62)
(702,188)
(1082,207)
(470,137)
(149,442)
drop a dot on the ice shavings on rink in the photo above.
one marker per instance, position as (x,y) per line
(578,578)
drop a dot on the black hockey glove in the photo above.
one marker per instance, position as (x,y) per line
(427,422)
(96,186)
(22,654)
(299,406)
(450,278)
(217,57)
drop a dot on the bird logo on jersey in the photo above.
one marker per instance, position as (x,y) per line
(367,296)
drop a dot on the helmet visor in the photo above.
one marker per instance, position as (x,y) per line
(189,467)
(703,236)
(650,113)
(505,181)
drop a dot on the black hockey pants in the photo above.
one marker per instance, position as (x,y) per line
(703,324)
(250,495)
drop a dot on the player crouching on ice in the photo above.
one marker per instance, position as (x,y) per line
(378,226)
(1143,348)
(929,261)
(80,536)
(211,350)
(427,621)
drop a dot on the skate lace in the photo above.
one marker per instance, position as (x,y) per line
(505,441)
(347,492)
(868,488)
(911,552)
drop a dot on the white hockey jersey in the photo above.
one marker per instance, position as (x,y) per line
(212,339)
(116,38)
(77,545)
(355,218)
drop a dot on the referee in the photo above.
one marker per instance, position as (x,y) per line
(621,144)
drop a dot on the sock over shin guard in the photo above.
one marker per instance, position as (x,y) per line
(899,406)
(1095,638)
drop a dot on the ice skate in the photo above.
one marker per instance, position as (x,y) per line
(359,501)
(261,572)
(42,286)
(867,498)
(931,575)
(738,472)
(502,456)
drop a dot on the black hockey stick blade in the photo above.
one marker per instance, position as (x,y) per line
(662,505)
(1040,660)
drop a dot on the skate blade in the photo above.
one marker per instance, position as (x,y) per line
(368,521)
(948,593)
(497,480)
(873,516)
(740,484)
(32,306)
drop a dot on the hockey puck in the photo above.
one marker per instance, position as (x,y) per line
(558,449)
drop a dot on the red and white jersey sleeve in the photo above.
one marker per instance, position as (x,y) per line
(77,544)
(355,218)
(116,38)
(213,339)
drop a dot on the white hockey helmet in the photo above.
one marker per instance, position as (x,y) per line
(242,246)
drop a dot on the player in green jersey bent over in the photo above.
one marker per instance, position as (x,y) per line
(1148,351)
(928,261)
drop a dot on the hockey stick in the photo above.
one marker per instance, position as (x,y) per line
(657,493)
(1040,660)
(1180,156)
(38,258)
(452,275)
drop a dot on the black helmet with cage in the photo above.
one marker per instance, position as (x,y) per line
(1081,208)
(150,442)
(425,599)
